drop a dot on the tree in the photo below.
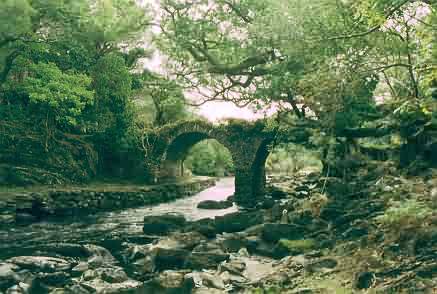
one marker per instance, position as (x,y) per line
(15,20)
(59,97)
(209,158)
(168,100)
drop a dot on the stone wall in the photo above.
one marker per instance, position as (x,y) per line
(26,207)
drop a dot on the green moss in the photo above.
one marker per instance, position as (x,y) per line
(300,246)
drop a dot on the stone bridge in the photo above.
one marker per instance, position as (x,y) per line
(247,142)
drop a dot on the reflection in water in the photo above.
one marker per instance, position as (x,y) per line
(101,226)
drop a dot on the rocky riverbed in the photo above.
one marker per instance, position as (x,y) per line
(310,234)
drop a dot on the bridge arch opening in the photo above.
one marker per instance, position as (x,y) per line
(209,158)
(196,153)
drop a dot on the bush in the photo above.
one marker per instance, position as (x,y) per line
(209,158)
(405,214)
(405,221)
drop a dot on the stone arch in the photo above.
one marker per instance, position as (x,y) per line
(247,143)
(178,149)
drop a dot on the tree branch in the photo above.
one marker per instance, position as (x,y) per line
(372,29)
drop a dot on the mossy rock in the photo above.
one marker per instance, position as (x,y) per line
(286,247)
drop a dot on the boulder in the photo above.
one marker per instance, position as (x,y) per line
(187,241)
(234,266)
(206,256)
(322,265)
(99,256)
(107,274)
(212,204)
(41,263)
(163,224)
(8,277)
(273,232)
(293,247)
(21,288)
(68,249)
(143,268)
(232,242)
(237,221)
(169,258)
(169,282)
(205,226)
(204,290)
(206,280)
(80,268)
(47,280)
(100,286)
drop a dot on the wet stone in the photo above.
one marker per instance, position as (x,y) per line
(41,263)
(212,204)
(163,224)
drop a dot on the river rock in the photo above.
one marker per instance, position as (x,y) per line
(163,224)
(169,258)
(99,256)
(68,249)
(273,232)
(107,274)
(229,278)
(8,277)
(205,256)
(169,282)
(322,265)
(135,252)
(206,280)
(232,242)
(234,266)
(204,290)
(21,288)
(100,286)
(40,263)
(212,204)
(237,221)
(45,281)
(186,241)
(205,226)
(80,268)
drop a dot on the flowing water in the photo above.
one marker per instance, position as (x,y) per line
(107,227)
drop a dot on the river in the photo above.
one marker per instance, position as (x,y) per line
(107,227)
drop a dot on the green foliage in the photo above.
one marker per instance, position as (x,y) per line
(290,158)
(159,100)
(300,246)
(109,22)
(210,158)
(405,214)
(61,65)
(416,115)
(112,83)
(15,18)
(59,96)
